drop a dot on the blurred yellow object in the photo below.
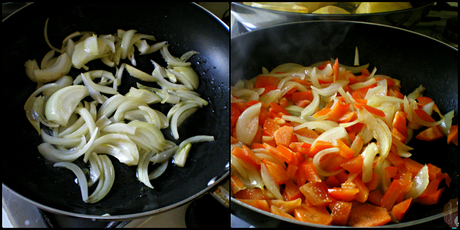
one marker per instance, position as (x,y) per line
(298,7)
(376,7)
(330,10)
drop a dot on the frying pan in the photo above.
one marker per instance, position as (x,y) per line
(186,27)
(256,18)
(413,58)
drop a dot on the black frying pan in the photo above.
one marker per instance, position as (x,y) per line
(186,27)
(413,58)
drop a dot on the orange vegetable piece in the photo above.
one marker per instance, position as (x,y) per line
(363,193)
(399,123)
(430,199)
(251,194)
(301,96)
(370,109)
(368,215)
(372,185)
(430,134)
(339,109)
(277,211)
(260,204)
(307,172)
(375,197)
(316,193)
(453,135)
(277,172)
(319,145)
(291,191)
(345,194)
(247,156)
(236,184)
(286,206)
(344,150)
(263,81)
(275,153)
(270,126)
(277,109)
(340,211)
(354,164)
(394,191)
(283,135)
(313,214)
(399,210)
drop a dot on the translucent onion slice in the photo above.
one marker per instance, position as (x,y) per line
(158,171)
(142,168)
(368,154)
(175,117)
(164,155)
(269,182)
(248,123)
(60,68)
(181,154)
(419,183)
(80,175)
(109,178)
(317,163)
(62,103)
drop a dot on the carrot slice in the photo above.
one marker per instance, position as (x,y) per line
(453,134)
(399,123)
(368,215)
(430,199)
(430,134)
(286,206)
(344,150)
(291,191)
(301,96)
(396,188)
(277,211)
(354,164)
(319,145)
(345,194)
(339,109)
(313,214)
(236,184)
(283,135)
(260,204)
(277,172)
(317,193)
(307,172)
(340,211)
(375,197)
(252,194)
(247,156)
(399,210)
(370,109)
(263,81)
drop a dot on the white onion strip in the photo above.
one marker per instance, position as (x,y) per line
(80,175)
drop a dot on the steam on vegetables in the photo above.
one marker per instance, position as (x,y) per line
(86,117)
(328,144)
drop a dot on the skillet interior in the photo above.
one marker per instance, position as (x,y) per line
(186,27)
(410,57)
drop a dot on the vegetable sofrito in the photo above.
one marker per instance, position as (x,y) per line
(327,144)
(85,116)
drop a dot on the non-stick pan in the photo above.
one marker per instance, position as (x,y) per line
(186,27)
(413,58)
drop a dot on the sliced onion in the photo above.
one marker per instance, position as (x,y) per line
(60,68)
(80,175)
(158,171)
(248,123)
(164,155)
(331,89)
(270,184)
(368,155)
(419,183)
(312,107)
(142,168)
(66,142)
(109,178)
(379,130)
(62,103)
(317,159)
(181,154)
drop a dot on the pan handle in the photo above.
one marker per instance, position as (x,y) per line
(221,194)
